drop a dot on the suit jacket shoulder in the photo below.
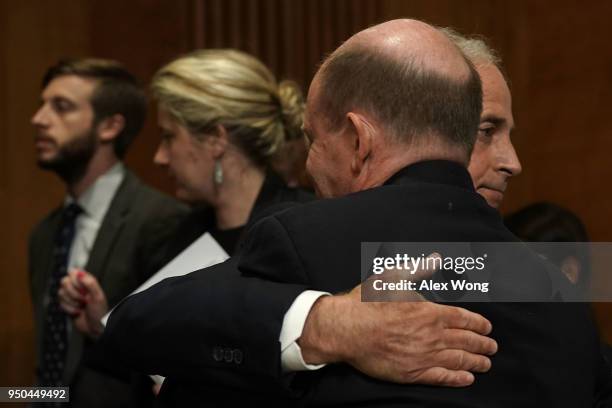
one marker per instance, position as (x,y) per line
(326,235)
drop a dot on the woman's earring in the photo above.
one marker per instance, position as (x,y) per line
(218,173)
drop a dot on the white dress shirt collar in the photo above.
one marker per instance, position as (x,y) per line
(96,200)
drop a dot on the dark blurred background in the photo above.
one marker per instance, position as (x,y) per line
(557,55)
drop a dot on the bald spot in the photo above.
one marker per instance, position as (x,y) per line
(411,40)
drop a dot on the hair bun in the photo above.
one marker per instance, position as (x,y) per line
(292,108)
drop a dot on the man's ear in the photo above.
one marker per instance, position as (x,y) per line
(109,128)
(217,141)
(571,268)
(362,132)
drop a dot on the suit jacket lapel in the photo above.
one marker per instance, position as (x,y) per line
(111,226)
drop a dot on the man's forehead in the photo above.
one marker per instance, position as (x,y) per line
(70,86)
(497,100)
(497,113)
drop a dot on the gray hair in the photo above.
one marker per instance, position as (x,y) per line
(474,48)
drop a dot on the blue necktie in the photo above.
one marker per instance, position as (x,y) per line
(55,335)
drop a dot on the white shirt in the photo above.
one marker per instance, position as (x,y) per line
(94,202)
(293,325)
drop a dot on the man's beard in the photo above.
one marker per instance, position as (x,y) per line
(72,159)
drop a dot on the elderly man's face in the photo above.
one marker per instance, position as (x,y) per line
(494,159)
(329,153)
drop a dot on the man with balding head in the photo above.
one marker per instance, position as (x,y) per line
(492,163)
(425,114)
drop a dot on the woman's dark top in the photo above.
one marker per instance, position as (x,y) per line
(202,219)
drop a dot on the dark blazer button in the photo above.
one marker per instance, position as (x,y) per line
(237,356)
(228,355)
(218,354)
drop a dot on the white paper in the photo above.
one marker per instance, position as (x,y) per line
(202,253)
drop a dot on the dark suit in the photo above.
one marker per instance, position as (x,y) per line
(548,356)
(112,262)
(548,353)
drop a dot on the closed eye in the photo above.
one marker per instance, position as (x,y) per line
(62,105)
(166,135)
(486,131)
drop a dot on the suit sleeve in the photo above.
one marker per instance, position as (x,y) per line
(212,326)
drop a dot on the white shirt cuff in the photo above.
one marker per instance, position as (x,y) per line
(293,325)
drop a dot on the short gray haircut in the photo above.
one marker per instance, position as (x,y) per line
(475,48)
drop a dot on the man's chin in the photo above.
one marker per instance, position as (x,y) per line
(67,169)
(494,197)
(49,157)
(48,163)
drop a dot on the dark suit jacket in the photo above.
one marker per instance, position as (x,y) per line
(111,261)
(548,354)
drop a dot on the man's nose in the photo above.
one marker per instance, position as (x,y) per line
(40,118)
(510,162)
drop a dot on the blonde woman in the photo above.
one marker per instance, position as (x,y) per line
(223,118)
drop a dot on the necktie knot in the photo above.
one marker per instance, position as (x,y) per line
(71,211)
